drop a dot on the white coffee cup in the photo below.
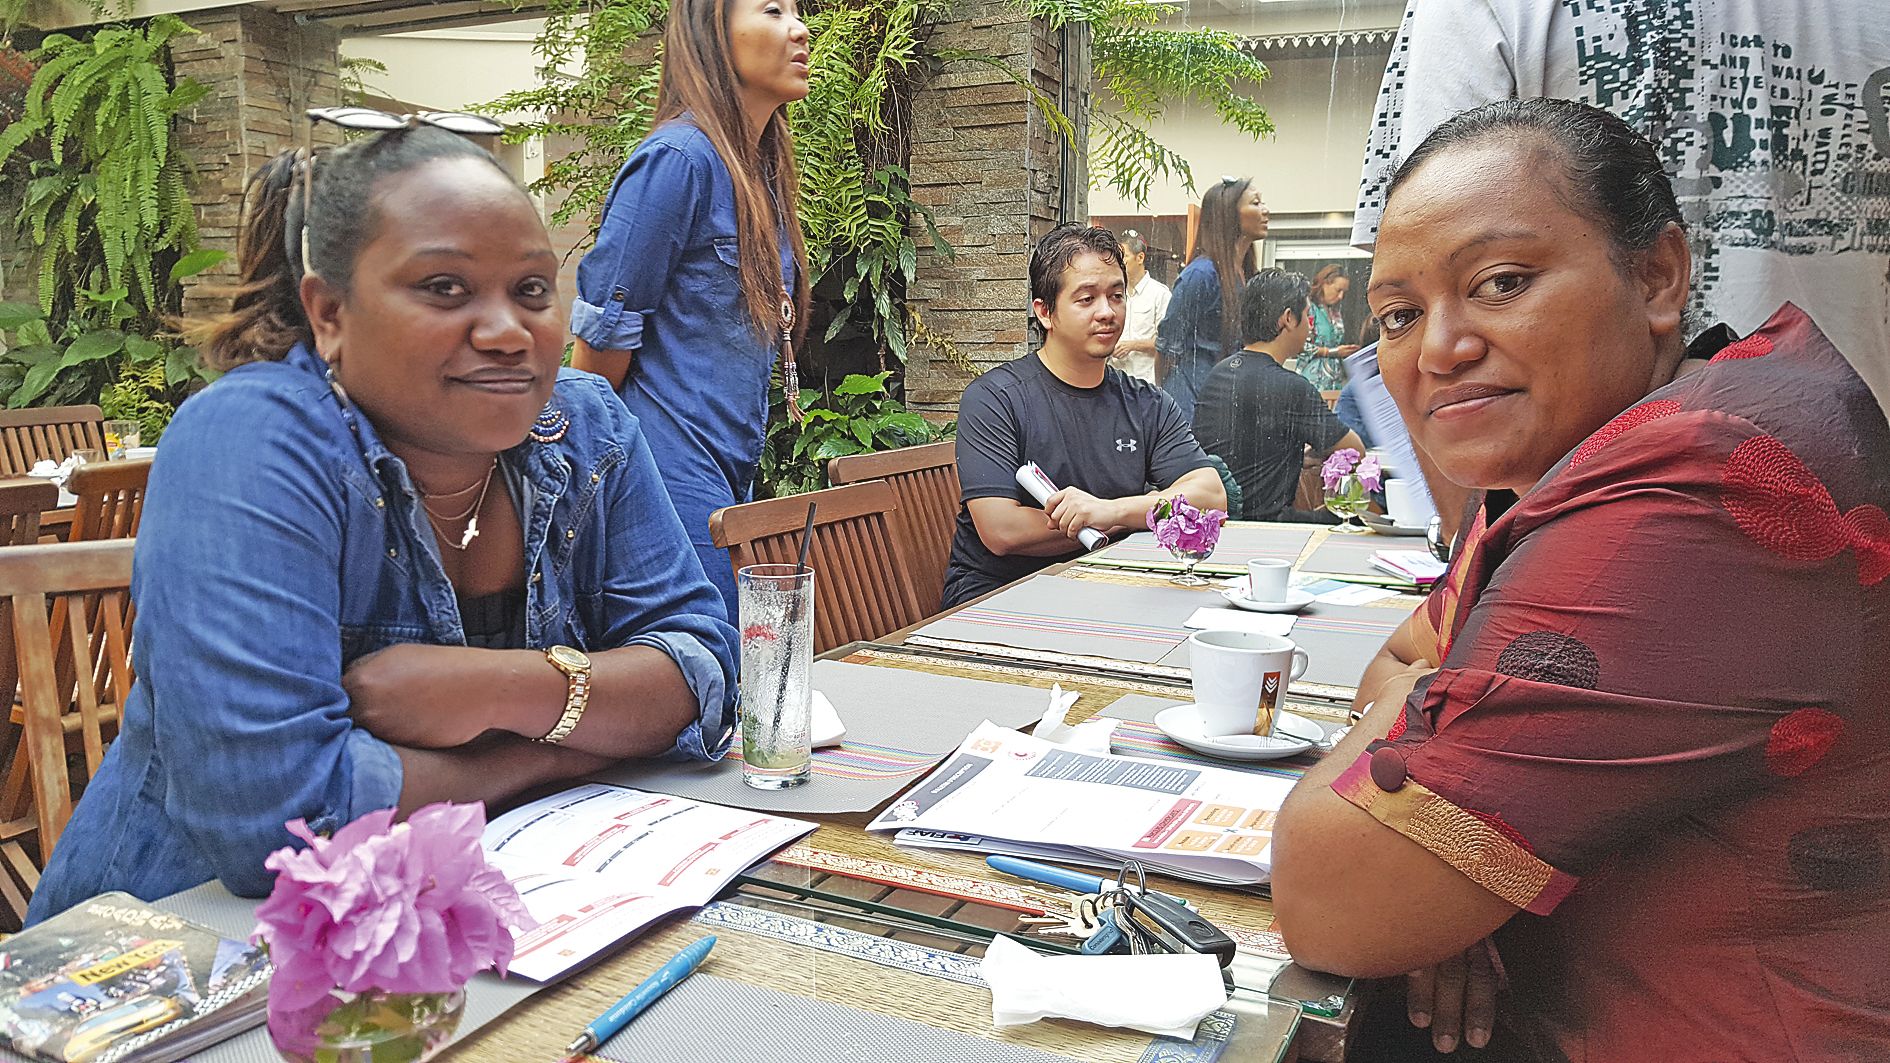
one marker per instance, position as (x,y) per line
(1267,579)
(1401,501)
(1240,679)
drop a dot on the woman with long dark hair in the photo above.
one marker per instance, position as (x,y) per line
(1203,321)
(698,282)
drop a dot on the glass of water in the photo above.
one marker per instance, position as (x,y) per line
(776,608)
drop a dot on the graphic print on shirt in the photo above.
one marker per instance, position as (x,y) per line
(1766,147)
(1125,445)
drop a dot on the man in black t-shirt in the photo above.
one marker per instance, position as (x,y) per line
(1259,416)
(1107,440)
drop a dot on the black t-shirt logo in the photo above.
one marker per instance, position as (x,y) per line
(1125,445)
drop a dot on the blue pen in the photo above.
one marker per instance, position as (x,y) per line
(666,978)
(1051,875)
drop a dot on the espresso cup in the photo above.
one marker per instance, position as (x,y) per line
(1240,679)
(1267,579)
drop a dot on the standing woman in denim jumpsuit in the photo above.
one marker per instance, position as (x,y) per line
(699,267)
(1202,325)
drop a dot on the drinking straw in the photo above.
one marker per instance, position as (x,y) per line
(794,614)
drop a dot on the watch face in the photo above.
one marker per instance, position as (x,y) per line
(566,657)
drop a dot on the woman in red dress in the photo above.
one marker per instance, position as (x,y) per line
(1638,743)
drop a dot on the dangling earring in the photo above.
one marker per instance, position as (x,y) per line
(334,383)
(550,426)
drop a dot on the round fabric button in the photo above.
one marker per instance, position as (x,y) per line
(1388,769)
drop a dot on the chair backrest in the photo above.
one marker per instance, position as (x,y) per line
(925,480)
(51,433)
(111,499)
(862,580)
(71,605)
(21,503)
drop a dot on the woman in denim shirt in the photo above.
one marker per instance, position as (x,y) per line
(363,542)
(698,267)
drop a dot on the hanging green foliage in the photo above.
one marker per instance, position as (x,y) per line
(105,209)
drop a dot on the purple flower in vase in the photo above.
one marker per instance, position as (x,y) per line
(1369,473)
(407,907)
(1338,466)
(1184,528)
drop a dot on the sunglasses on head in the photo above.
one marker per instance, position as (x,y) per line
(380,121)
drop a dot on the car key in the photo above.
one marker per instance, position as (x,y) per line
(1176,928)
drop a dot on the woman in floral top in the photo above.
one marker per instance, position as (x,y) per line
(1323,360)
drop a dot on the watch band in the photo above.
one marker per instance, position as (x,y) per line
(577,696)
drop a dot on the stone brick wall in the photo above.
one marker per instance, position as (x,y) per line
(263,69)
(988,166)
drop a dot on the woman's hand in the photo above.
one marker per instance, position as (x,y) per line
(1344,350)
(388,695)
(1456,999)
(1396,688)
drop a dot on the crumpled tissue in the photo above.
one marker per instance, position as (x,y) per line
(1166,994)
(1090,736)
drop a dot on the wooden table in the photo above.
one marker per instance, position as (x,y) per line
(846,877)
(842,859)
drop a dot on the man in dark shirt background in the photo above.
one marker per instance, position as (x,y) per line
(1112,444)
(1259,416)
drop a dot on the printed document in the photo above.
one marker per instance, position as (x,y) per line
(1004,791)
(598,863)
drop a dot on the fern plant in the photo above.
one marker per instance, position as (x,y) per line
(857,417)
(106,205)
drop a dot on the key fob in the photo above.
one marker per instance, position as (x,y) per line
(1178,928)
(1107,937)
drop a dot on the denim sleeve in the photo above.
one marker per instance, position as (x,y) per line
(1193,320)
(647,221)
(656,594)
(238,594)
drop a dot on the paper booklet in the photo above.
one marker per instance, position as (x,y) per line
(1418,566)
(597,863)
(1004,791)
(114,980)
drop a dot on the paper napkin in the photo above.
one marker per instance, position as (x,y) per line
(827,730)
(1166,994)
(1227,618)
(1090,736)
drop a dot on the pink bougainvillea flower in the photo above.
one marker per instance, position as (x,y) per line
(407,907)
(1180,526)
(1369,473)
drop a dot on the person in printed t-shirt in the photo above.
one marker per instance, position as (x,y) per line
(1112,444)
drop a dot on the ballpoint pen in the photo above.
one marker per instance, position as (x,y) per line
(1051,875)
(667,977)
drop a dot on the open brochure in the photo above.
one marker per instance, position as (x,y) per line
(597,863)
(1004,791)
(114,980)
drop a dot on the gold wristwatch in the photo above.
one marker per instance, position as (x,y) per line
(576,667)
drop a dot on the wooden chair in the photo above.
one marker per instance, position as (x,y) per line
(925,479)
(111,499)
(52,433)
(862,580)
(21,503)
(71,606)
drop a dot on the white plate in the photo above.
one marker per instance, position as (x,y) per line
(1384,526)
(1183,724)
(1296,600)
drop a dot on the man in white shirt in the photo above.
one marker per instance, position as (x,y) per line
(1148,302)
(1773,120)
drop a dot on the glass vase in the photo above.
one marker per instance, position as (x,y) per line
(1346,501)
(1189,559)
(374,1027)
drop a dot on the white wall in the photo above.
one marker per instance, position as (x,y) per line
(450,70)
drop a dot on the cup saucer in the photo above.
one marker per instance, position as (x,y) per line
(1295,600)
(1183,724)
